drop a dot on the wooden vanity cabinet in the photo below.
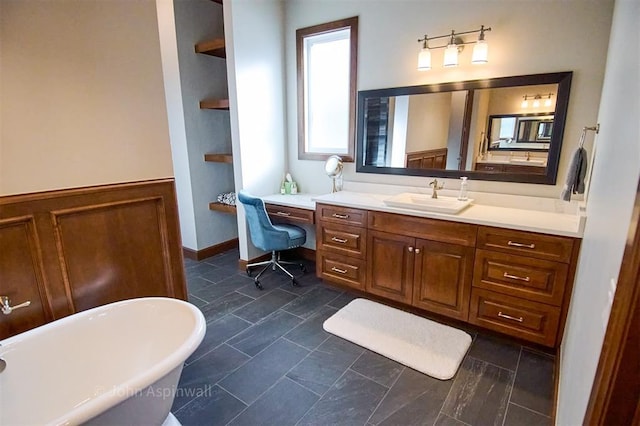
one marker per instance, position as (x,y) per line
(341,238)
(422,262)
(522,283)
(514,282)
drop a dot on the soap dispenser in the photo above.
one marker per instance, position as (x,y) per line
(462,196)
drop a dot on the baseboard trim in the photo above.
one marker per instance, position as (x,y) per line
(209,251)
(296,253)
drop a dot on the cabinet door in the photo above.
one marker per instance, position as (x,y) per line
(390,261)
(442,279)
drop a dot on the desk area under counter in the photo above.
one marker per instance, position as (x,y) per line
(499,267)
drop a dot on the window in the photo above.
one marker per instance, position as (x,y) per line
(327,63)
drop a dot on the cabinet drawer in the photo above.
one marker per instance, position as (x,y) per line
(341,215)
(526,277)
(428,229)
(490,167)
(342,269)
(341,239)
(548,247)
(289,214)
(527,320)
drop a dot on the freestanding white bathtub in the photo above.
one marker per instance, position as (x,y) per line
(116,364)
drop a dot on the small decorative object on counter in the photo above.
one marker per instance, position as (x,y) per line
(227,198)
(463,189)
(289,186)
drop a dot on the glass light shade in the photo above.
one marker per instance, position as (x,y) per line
(536,103)
(424,59)
(525,104)
(451,56)
(480,53)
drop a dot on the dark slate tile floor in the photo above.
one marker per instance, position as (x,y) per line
(265,360)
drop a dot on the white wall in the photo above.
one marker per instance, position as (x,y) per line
(567,36)
(610,201)
(255,58)
(175,116)
(82,99)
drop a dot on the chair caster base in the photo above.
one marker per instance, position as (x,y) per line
(303,268)
(295,283)
(258,285)
(248,271)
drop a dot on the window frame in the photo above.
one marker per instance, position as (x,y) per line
(301,34)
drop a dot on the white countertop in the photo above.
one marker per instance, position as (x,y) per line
(570,225)
(301,201)
(534,220)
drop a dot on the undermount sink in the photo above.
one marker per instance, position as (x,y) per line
(530,162)
(442,204)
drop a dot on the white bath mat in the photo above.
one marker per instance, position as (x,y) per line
(426,346)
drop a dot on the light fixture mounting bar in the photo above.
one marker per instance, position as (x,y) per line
(453,35)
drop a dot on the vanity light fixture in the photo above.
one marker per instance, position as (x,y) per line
(453,48)
(537,98)
(424,57)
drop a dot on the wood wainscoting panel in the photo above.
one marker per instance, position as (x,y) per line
(83,247)
(22,277)
(113,251)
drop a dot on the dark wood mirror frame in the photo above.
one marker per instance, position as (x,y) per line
(562,79)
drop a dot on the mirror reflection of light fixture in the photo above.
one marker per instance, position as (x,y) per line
(537,98)
(536,101)
(453,48)
(424,57)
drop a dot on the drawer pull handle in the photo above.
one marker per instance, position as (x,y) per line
(515,277)
(340,271)
(283,214)
(340,216)
(515,244)
(509,317)
(339,240)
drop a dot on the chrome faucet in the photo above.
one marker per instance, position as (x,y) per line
(436,188)
(6,308)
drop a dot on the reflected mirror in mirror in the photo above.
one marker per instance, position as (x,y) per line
(530,132)
(481,129)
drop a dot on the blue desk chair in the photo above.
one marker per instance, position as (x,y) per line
(269,237)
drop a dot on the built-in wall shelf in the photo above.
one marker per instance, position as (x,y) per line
(213,47)
(224,208)
(214,104)
(219,158)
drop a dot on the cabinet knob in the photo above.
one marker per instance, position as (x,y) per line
(417,251)
(6,305)
(410,249)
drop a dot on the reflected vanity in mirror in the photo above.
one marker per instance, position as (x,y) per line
(483,129)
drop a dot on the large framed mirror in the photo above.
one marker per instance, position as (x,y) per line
(501,129)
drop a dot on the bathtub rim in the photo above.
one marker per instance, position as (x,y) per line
(122,391)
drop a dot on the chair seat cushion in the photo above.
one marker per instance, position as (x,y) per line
(297,235)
